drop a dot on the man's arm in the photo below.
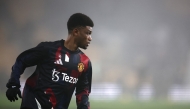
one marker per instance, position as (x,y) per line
(27,58)
(83,89)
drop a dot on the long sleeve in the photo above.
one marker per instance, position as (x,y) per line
(27,58)
(83,89)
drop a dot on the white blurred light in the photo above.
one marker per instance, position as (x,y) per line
(146,92)
(105,91)
(179,94)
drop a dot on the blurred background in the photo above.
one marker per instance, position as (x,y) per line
(140,49)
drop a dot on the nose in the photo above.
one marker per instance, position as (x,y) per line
(90,38)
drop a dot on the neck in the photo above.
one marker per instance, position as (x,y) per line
(70,43)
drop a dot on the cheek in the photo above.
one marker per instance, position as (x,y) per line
(84,38)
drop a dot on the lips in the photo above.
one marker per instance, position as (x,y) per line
(88,43)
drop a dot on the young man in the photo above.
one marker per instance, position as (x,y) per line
(61,67)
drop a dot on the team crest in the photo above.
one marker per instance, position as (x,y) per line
(80,67)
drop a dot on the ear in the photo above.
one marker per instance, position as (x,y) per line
(75,31)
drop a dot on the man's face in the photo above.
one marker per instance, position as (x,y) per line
(84,36)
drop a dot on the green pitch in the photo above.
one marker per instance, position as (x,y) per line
(118,104)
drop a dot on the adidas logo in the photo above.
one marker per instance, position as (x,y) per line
(59,61)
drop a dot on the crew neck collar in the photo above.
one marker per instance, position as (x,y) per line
(63,41)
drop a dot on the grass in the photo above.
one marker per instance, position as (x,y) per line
(6,104)
(117,104)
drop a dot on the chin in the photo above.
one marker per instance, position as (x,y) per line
(84,48)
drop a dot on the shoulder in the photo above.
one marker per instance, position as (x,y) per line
(84,57)
(85,60)
(50,43)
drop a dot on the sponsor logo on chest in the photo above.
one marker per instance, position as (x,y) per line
(57,76)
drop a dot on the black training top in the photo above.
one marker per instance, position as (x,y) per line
(59,71)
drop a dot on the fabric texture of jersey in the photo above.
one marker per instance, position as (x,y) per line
(58,73)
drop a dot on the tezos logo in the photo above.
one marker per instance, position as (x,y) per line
(66,78)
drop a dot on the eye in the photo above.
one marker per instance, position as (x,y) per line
(89,33)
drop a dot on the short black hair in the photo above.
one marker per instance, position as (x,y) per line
(78,19)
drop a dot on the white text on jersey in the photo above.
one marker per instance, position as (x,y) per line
(66,78)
